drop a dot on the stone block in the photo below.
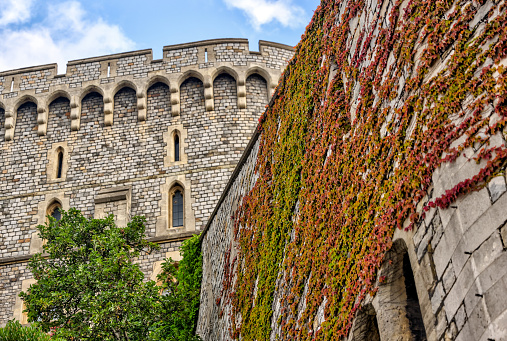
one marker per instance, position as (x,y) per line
(497,330)
(419,234)
(438,231)
(496,298)
(448,278)
(460,256)
(445,215)
(491,249)
(488,222)
(437,297)
(458,291)
(448,243)
(441,324)
(472,206)
(423,245)
(497,187)
(478,321)
(460,317)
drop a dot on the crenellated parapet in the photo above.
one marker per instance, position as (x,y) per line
(107,75)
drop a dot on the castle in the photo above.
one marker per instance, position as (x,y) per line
(128,135)
(370,203)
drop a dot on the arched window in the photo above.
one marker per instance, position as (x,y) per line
(176,147)
(176,208)
(59,167)
(55,210)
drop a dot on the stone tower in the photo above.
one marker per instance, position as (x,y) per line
(128,135)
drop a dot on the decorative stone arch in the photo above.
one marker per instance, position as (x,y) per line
(256,71)
(189,74)
(123,84)
(240,84)
(164,223)
(44,118)
(76,119)
(110,105)
(11,117)
(143,102)
(154,81)
(398,309)
(268,77)
(240,79)
(176,92)
(36,241)
(57,94)
(90,89)
(157,79)
(25,99)
(224,69)
(52,207)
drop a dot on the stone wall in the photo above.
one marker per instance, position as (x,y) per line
(114,118)
(445,279)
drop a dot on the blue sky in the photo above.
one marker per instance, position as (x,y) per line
(34,32)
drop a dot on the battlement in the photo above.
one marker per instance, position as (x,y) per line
(106,75)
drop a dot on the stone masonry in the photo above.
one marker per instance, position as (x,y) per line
(114,119)
(447,276)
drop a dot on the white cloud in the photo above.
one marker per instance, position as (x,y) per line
(261,12)
(14,11)
(65,34)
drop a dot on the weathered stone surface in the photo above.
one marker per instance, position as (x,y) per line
(497,187)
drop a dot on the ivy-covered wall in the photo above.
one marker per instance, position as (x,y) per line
(374,186)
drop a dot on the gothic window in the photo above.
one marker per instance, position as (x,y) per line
(55,210)
(176,147)
(176,207)
(59,167)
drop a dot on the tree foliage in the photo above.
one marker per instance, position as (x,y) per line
(89,287)
(181,291)
(14,331)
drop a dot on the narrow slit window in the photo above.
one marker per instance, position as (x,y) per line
(108,70)
(205,55)
(60,165)
(176,148)
(177,203)
(12,84)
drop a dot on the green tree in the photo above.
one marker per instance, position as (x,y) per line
(180,294)
(89,287)
(14,331)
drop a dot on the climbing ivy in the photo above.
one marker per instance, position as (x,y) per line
(346,160)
